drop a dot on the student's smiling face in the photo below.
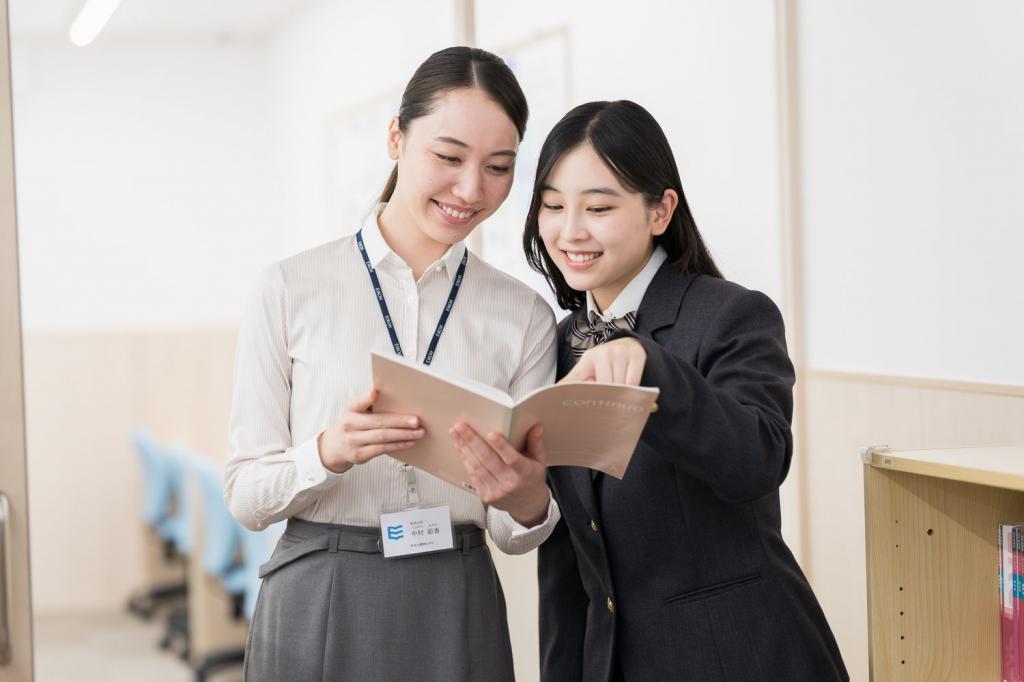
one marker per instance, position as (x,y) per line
(455,164)
(598,233)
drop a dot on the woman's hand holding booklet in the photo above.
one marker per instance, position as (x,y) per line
(591,424)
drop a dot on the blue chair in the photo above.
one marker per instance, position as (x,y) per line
(177,530)
(157,494)
(224,540)
(221,556)
(222,534)
(257,548)
(178,527)
(156,483)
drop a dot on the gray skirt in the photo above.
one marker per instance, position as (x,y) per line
(332,608)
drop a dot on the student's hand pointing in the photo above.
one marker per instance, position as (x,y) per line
(505,478)
(616,362)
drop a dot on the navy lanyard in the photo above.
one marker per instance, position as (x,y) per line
(375,281)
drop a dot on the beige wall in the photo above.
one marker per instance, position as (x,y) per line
(84,394)
(847,411)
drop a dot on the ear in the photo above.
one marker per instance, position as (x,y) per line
(662,212)
(394,138)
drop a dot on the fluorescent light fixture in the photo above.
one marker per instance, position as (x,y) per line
(91,20)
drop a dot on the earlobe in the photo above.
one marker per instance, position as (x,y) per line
(394,138)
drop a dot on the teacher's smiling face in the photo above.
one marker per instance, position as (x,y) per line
(455,164)
(597,232)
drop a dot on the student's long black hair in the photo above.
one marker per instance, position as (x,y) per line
(450,69)
(635,149)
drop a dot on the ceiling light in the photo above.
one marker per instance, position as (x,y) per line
(91,20)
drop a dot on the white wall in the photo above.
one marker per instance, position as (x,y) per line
(332,58)
(913,167)
(705,70)
(144,182)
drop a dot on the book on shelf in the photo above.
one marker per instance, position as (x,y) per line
(586,424)
(1006,595)
(1010,544)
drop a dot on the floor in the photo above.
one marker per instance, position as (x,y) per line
(108,648)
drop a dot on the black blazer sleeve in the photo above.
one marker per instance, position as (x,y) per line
(726,420)
(563,609)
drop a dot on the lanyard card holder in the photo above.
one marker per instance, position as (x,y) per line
(415,530)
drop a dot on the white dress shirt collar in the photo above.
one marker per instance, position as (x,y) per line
(377,249)
(629,298)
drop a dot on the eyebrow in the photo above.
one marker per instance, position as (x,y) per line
(460,143)
(593,190)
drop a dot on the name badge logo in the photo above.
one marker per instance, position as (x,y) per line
(415,531)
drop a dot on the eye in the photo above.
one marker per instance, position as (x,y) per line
(499,170)
(447,159)
(551,207)
(600,209)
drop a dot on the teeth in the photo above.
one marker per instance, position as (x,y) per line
(461,215)
(581,257)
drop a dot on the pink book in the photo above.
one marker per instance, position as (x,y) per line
(1018,566)
(1006,599)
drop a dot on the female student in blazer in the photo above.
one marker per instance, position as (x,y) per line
(679,570)
(307,446)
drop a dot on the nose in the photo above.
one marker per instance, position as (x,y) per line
(573,228)
(469,187)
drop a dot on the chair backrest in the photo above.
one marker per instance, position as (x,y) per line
(257,546)
(222,534)
(179,526)
(156,481)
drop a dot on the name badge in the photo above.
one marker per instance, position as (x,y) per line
(416,531)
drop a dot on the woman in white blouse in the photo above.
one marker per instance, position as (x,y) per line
(307,446)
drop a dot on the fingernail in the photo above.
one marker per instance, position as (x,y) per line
(413,421)
(493,437)
(410,443)
(418,433)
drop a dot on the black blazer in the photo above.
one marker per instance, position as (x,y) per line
(679,571)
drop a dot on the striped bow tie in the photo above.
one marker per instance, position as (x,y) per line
(587,333)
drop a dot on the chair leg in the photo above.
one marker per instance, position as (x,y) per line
(177,627)
(145,603)
(217,660)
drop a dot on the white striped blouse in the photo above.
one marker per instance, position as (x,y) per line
(304,353)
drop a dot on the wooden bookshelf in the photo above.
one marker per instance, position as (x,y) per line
(931,519)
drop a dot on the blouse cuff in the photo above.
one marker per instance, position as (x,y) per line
(512,537)
(518,529)
(310,471)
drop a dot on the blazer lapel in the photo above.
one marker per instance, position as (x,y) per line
(659,307)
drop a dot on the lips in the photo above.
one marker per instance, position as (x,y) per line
(455,215)
(581,260)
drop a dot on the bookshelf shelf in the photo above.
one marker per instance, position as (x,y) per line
(931,519)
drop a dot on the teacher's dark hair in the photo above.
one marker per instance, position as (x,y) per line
(450,69)
(635,149)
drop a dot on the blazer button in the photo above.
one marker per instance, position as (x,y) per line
(593,525)
(611,605)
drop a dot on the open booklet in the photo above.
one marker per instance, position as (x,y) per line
(587,424)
